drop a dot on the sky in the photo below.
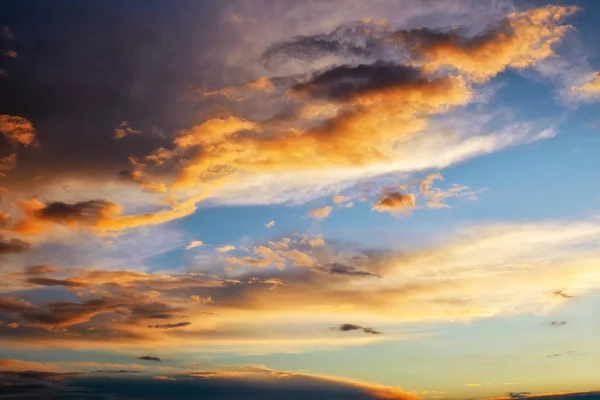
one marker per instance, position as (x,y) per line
(284,199)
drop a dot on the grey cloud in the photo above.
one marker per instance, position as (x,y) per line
(170,326)
(13,246)
(341,269)
(149,358)
(353,327)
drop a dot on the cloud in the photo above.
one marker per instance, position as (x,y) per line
(558,323)
(270,224)
(352,327)
(170,326)
(17,130)
(125,129)
(318,214)
(567,353)
(194,244)
(518,41)
(6,32)
(252,381)
(562,293)
(117,371)
(395,201)
(226,248)
(340,269)
(39,217)
(99,215)
(149,358)
(340,199)
(589,90)
(41,270)
(11,304)
(13,246)
(56,282)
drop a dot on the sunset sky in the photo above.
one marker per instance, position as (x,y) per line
(285,199)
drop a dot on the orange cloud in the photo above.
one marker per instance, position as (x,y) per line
(521,40)
(318,214)
(395,201)
(194,244)
(340,199)
(17,130)
(589,88)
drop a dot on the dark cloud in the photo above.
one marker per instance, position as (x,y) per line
(149,358)
(567,396)
(358,40)
(563,294)
(41,270)
(394,201)
(56,282)
(344,82)
(558,323)
(352,327)
(12,304)
(566,353)
(341,269)
(13,246)
(170,326)
(137,68)
(273,385)
(117,371)
(87,211)
(38,374)
(154,310)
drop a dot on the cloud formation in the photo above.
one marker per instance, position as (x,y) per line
(352,327)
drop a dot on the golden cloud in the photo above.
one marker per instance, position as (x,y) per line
(319,214)
(521,40)
(17,130)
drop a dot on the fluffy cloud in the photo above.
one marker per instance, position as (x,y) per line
(194,244)
(518,41)
(395,201)
(318,214)
(17,130)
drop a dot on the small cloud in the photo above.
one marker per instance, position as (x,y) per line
(194,244)
(200,300)
(6,32)
(18,130)
(226,248)
(318,214)
(353,327)
(590,90)
(473,384)
(10,53)
(340,199)
(565,354)
(563,294)
(124,129)
(164,378)
(340,269)
(41,270)
(270,224)
(349,205)
(394,201)
(149,358)
(170,326)
(56,282)
(13,246)
(117,371)
(558,323)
